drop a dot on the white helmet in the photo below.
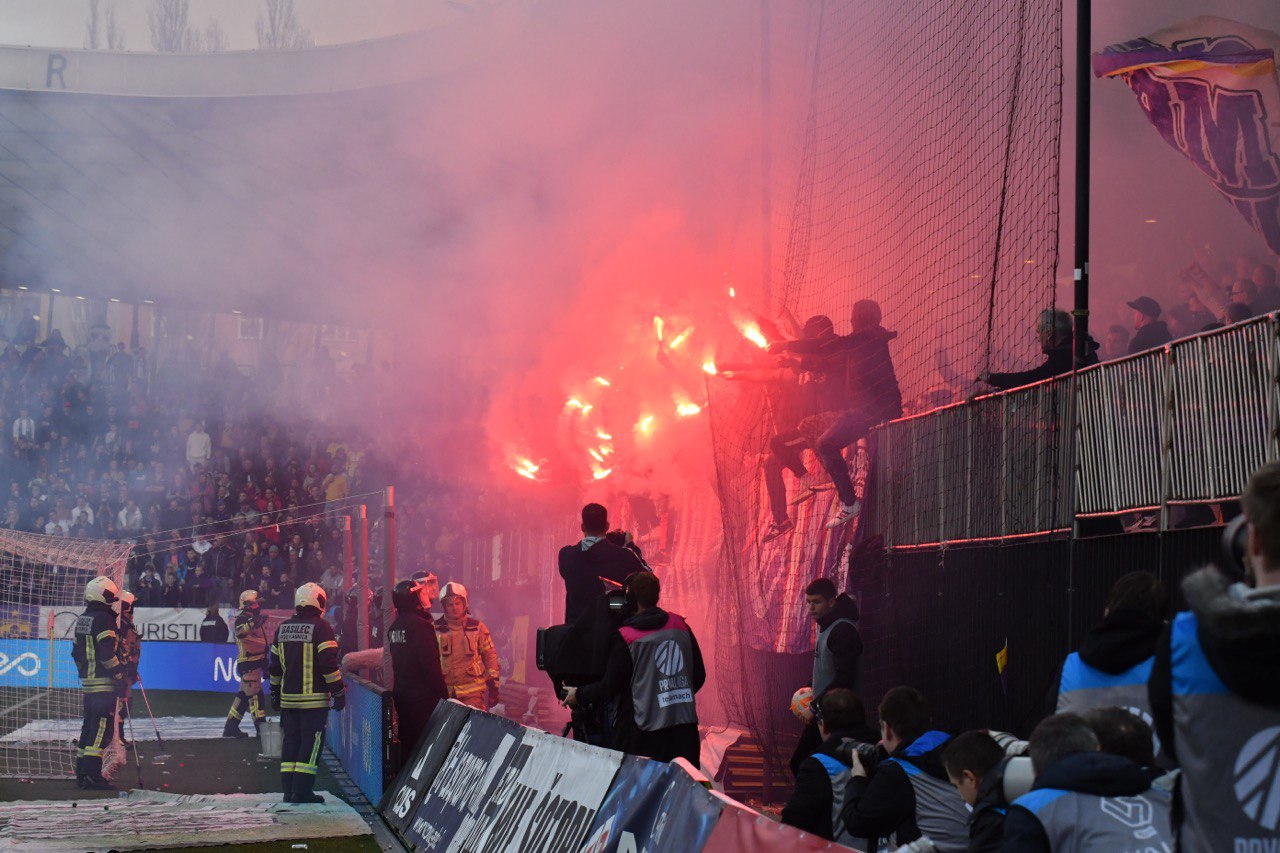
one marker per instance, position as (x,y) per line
(310,595)
(453,588)
(249,600)
(126,601)
(102,589)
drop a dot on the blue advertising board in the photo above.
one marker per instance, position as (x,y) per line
(358,735)
(164,665)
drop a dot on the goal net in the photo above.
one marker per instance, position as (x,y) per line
(42,580)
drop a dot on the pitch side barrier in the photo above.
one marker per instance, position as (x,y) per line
(483,783)
(360,736)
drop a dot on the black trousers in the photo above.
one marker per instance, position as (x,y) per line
(302,733)
(96,732)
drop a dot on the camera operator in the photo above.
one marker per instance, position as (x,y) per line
(815,804)
(654,669)
(908,794)
(1215,684)
(583,565)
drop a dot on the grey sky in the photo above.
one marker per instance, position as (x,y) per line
(60,23)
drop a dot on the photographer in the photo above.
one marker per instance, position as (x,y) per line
(907,795)
(1215,683)
(654,669)
(815,805)
(583,565)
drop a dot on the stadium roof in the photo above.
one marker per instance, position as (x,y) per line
(274,183)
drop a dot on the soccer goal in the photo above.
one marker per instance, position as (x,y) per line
(42,581)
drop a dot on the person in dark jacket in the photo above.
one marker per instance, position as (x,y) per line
(907,795)
(213,629)
(836,653)
(819,794)
(870,391)
(1215,687)
(418,680)
(971,760)
(1114,663)
(1055,333)
(1151,331)
(654,670)
(95,651)
(595,557)
(1083,799)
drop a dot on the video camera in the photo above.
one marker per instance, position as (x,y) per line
(575,653)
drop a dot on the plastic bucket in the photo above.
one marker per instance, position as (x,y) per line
(272,738)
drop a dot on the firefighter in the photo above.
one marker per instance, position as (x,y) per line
(304,674)
(418,683)
(101,679)
(251,661)
(467,655)
(129,650)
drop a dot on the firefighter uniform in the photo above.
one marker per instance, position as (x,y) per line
(469,660)
(251,660)
(304,673)
(101,679)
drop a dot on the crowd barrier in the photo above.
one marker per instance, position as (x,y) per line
(360,735)
(164,665)
(480,782)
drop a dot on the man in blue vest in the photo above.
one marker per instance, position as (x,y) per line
(653,671)
(971,761)
(907,795)
(1215,689)
(1084,799)
(819,795)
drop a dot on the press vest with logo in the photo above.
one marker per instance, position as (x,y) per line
(1075,821)
(941,814)
(839,774)
(1229,751)
(1084,688)
(661,682)
(94,649)
(824,663)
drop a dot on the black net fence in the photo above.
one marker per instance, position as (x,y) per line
(916,207)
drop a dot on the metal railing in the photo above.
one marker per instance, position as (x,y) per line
(1184,424)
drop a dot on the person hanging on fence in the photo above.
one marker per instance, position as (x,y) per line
(1054,331)
(869,390)
(129,648)
(467,653)
(304,675)
(251,661)
(418,683)
(95,651)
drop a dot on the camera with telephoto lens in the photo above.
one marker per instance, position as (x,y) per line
(1235,548)
(573,654)
(871,754)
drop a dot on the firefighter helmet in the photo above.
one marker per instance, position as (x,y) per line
(126,601)
(249,600)
(454,588)
(102,589)
(310,595)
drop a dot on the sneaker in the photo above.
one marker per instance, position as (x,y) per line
(847,514)
(776,529)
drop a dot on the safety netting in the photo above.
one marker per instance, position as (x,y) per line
(914,163)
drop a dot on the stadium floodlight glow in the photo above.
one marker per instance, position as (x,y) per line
(113,299)
(22,287)
(82,298)
(233,311)
(148,302)
(55,290)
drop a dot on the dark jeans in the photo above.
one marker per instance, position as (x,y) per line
(848,428)
(785,453)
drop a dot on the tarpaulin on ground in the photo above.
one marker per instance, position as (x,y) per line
(1208,85)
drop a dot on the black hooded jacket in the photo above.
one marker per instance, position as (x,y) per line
(1241,641)
(1095,773)
(986,825)
(810,806)
(862,366)
(1154,334)
(844,642)
(1058,361)
(582,571)
(884,803)
(1124,639)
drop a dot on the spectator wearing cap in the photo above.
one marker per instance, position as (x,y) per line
(1150,331)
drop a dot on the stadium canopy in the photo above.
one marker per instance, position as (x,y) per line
(276,183)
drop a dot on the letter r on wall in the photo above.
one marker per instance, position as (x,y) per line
(57,64)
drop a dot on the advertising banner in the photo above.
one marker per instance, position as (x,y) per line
(627,816)
(360,733)
(402,800)
(164,666)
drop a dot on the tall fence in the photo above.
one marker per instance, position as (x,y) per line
(1180,425)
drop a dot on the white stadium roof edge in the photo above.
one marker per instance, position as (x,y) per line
(276,183)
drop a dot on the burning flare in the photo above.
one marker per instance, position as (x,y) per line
(687,410)
(680,338)
(600,380)
(658,327)
(751,331)
(599,473)
(709,366)
(526,468)
(602,435)
(645,425)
